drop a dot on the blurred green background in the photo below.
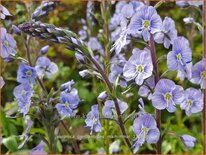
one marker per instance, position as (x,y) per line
(68,15)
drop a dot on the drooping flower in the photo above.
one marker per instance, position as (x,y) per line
(188,140)
(67,86)
(187,73)
(108,110)
(193,102)
(2,83)
(120,42)
(139,66)
(167,34)
(199,73)
(146,20)
(8,44)
(116,70)
(26,74)
(167,95)
(180,56)
(39,149)
(45,67)
(25,135)
(145,128)
(3,12)
(69,103)
(92,121)
(145,89)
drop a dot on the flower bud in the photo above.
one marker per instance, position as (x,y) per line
(102,96)
(80,58)
(44,49)
(85,73)
(188,140)
(16,30)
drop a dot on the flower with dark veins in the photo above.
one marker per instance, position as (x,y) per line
(167,95)
(167,34)
(26,74)
(199,73)
(146,20)
(139,66)
(180,56)
(44,66)
(69,102)
(145,128)
(193,102)
(8,44)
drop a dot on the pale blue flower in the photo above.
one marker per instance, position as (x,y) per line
(145,128)
(23,90)
(180,56)
(92,121)
(8,44)
(146,20)
(67,86)
(26,74)
(69,103)
(167,34)
(139,66)
(24,104)
(44,67)
(39,149)
(193,102)
(167,95)
(199,73)
(109,110)
(4,12)
(145,89)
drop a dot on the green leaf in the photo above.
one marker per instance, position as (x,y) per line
(10,143)
(59,146)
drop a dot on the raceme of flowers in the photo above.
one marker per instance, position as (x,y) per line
(130,20)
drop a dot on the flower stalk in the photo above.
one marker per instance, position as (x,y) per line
(156,79)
